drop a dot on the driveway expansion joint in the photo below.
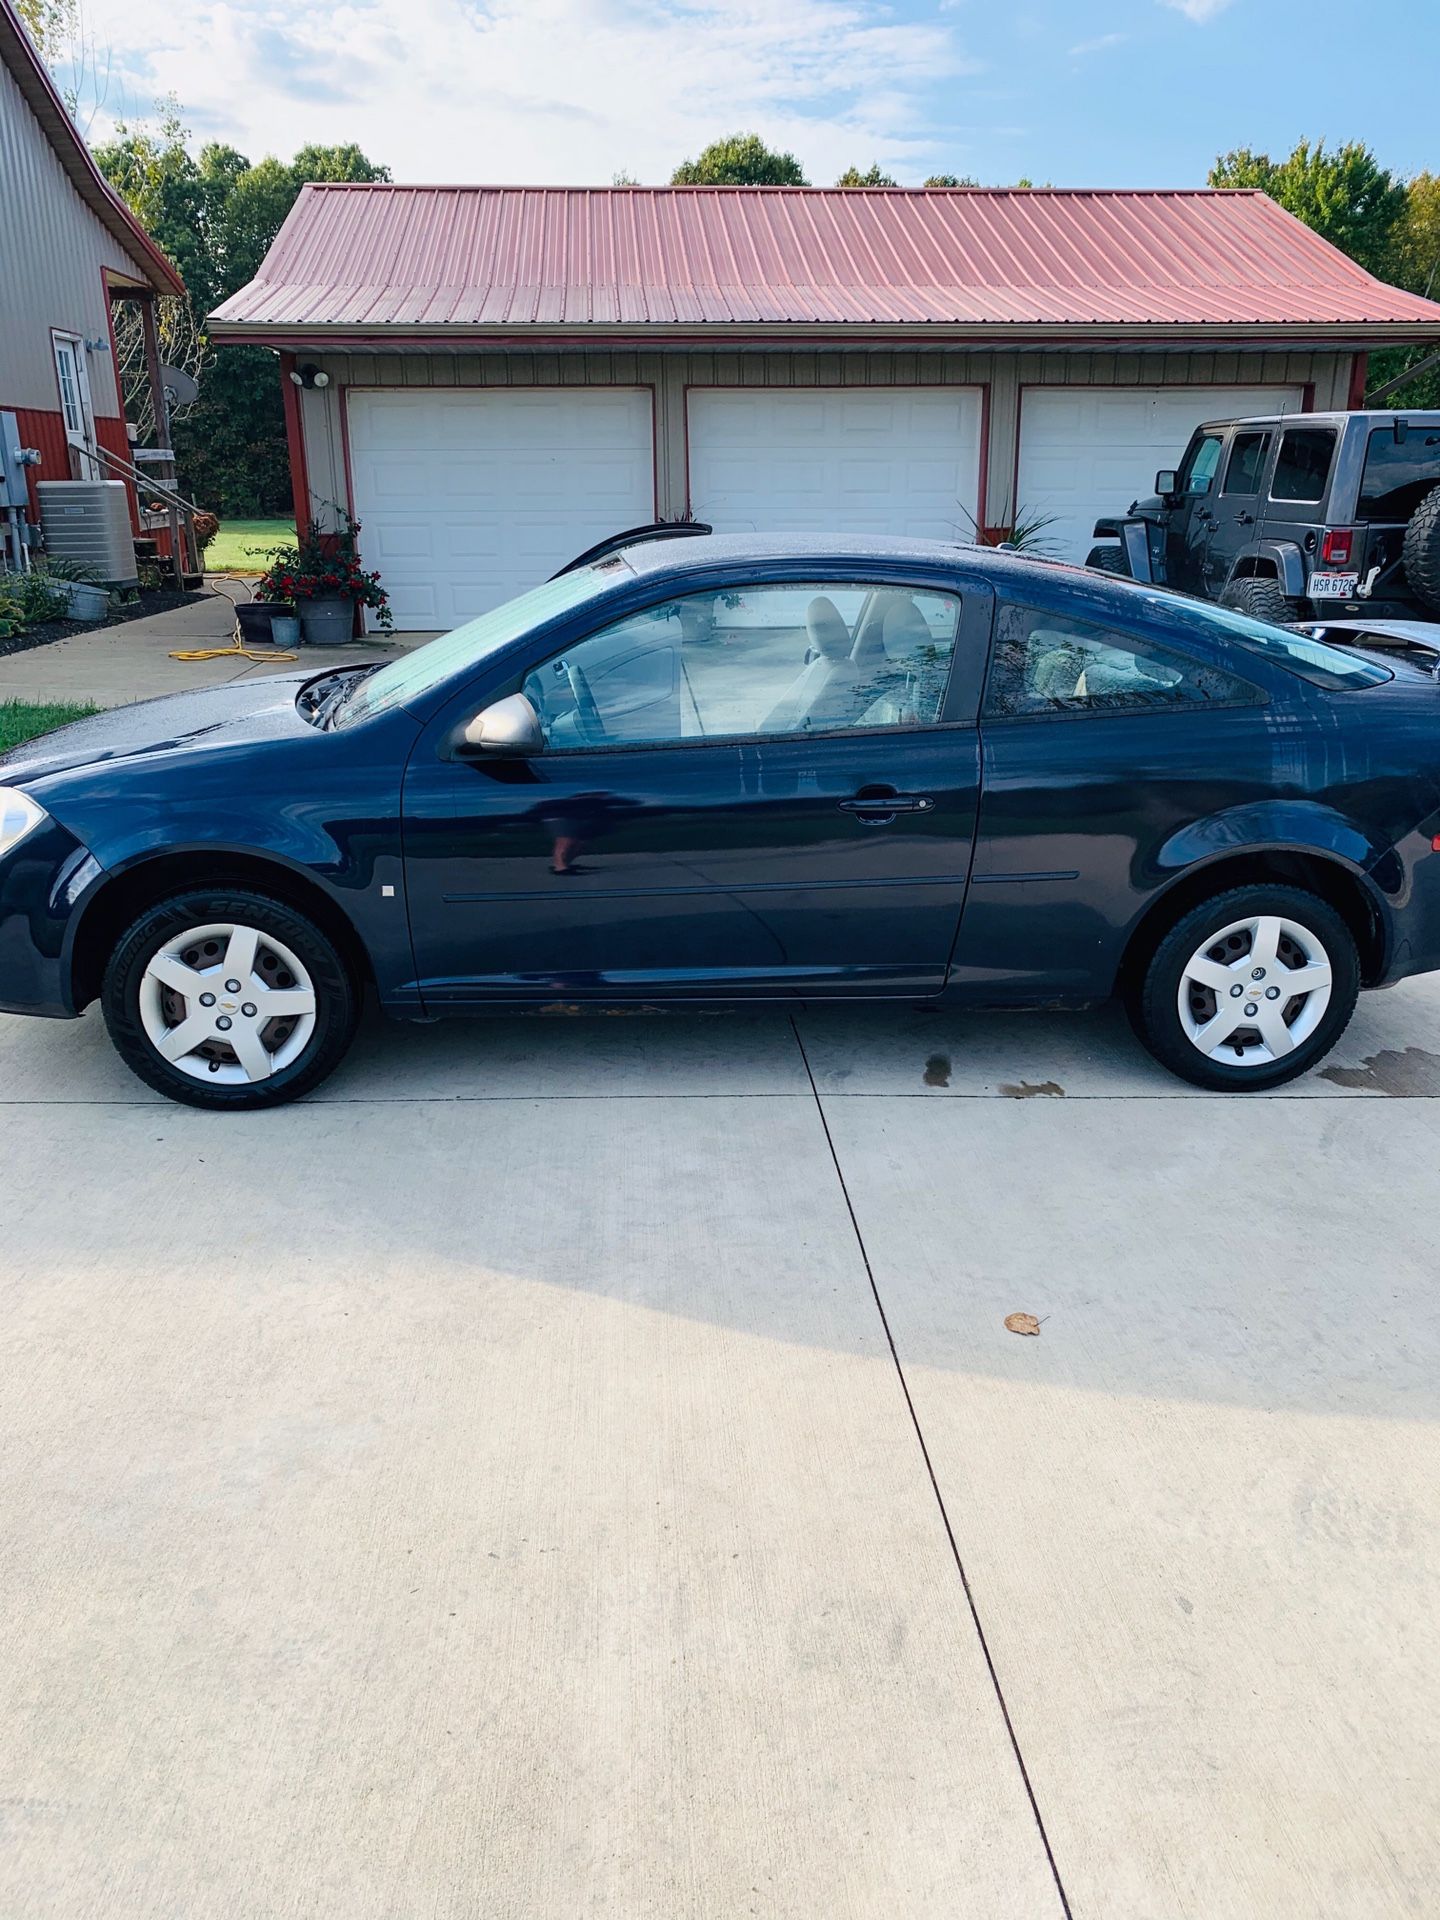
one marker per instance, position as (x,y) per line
(935,1485)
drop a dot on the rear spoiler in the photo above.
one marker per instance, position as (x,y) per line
(634,537)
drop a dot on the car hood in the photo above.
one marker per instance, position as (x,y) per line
(238,713)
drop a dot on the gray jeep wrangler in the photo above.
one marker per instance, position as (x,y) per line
(1300,514)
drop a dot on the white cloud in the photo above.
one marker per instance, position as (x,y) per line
(540,90)
(1100,43)
(1200,11)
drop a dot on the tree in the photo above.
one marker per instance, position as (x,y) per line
(742,160)
(79,64)
(1346,196)
(952,180)
(216,217)
(872,177)
(1415,265)
(1417,237)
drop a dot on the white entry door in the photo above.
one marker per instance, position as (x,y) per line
(72,376)
(1087,452)
(467,497)
(898,460)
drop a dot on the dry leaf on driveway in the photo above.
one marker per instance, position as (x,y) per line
(1022,1323)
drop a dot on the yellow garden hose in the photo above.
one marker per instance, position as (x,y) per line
(236,650)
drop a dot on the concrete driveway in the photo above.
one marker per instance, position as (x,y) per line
(580,1468)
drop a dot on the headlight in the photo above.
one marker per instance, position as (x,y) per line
(19,815)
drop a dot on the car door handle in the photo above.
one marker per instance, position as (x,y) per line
(873,806)
(1245,519)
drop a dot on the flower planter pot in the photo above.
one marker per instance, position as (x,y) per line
(84,601)
(256,619)
(285,628)
(327,623)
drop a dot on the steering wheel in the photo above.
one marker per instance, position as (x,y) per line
(592,727)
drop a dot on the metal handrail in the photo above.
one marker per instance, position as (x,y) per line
(146,480)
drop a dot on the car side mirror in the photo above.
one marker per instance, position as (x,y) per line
(510,725)
(1165,480)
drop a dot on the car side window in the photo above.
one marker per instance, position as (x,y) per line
(1303,465)
(1246,463)
(1047,663)
(1198,472)
(781,659)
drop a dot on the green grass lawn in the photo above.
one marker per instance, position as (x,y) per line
(19,720)
(229,551)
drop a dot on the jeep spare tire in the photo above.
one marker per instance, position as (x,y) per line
(1421,551)
(1263,598)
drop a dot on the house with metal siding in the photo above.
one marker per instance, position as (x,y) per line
(68,247)
(491,378)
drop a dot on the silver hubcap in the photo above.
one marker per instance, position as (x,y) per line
(1255,991)
(227,1003)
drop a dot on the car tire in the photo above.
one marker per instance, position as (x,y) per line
(1108,560)
(1421,551)
(1263,598)
(1269,1036)
(267,1005)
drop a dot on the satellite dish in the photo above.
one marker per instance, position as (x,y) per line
(181,389)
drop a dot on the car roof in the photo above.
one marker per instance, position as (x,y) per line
(798,549)
(1418,417)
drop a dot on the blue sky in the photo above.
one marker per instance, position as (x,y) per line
(1143,93)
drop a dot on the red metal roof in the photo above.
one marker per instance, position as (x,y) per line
(378,261)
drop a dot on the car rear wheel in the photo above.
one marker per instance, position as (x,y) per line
(1250,989)
(1421,551)
(229,1000)
(1108,560)
(1262,597)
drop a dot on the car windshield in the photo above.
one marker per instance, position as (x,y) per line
(1323,666)
(416,674)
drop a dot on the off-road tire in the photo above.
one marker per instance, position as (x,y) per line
(1421,551)
(1108,560)
(1263,598)
(337,997)
(1154,1008)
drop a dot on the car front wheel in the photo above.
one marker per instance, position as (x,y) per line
(1250,989)
(229,1000)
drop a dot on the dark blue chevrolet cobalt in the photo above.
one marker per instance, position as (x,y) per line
(723,770)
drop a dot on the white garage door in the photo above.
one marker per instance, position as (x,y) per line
(840,460)
(1089,451)
(468,498)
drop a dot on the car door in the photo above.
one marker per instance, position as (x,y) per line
(1192,522)
(752,789)
(1238,507)
(1100,745)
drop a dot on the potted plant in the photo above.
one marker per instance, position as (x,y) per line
(80,586)
(323,578)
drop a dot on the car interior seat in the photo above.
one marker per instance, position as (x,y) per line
(823,692)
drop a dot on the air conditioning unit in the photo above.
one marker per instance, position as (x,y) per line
(89,521)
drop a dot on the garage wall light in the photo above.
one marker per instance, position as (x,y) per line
(310,375)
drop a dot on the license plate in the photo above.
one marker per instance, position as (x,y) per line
(1333,586)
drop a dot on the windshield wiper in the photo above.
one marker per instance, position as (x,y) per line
(338,697)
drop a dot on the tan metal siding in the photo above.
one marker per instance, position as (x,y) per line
(52,253)
(671,373)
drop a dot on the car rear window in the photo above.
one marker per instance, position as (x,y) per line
(1304,463)
(1329,667)
(1398,472)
